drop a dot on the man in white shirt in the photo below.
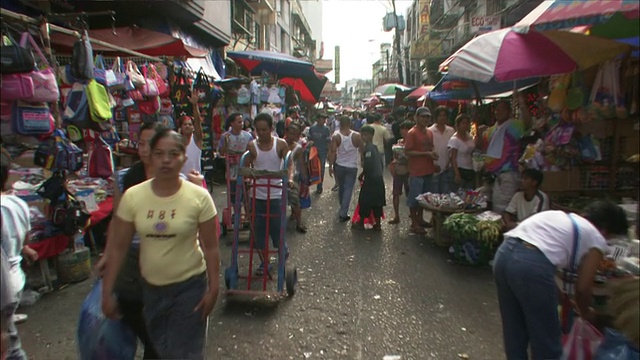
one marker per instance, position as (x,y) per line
(441,135)
(527,202)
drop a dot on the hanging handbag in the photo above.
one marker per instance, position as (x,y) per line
(202,86)
(105,77)
(68,156)
(150,105)
(180,92)
(150,87)
(82,58)
(17,87)
(120,76)
(15,59)
(32,119)
(45,85)
(99,102)
(100,159)
(136,78)
(163,85)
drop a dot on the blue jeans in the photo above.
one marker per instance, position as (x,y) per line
(346,179)
(275,211)
(528,299)
(323,163)
(418,185)
(442,182)
(176,330)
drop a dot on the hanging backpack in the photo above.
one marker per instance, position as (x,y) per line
(76,109)
(99,102)
(68,155)
(82,59)
(32,119)
(100,159)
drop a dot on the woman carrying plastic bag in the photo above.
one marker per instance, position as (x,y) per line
(99,337)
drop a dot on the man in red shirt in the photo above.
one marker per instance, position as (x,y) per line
(421,154)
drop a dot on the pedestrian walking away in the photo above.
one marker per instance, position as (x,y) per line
(320,135)
(343,162)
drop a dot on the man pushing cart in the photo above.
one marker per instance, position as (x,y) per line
(269,179)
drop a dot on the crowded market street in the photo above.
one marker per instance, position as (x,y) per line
(361,295)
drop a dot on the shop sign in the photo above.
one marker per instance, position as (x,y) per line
(483,24)
(420,47)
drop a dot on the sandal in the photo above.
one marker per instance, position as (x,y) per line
(301,229)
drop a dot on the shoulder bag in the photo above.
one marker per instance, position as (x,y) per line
(45,85)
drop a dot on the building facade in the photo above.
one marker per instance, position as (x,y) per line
(436,29)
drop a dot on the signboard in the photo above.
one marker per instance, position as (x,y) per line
(336,79)
(483,24)
(420,48)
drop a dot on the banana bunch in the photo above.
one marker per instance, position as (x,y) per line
(489,232)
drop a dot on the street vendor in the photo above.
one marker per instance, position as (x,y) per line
(502,145)
(527,202)
(525,268)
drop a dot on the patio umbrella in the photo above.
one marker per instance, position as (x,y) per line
(509,54)
(390,89)
(564,14)
(309,88)
(300,75)
(419,92)
(455,88)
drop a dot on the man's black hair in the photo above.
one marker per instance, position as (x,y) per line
(263,117)
(535,175)
(151,125)
(367,129)
(607,216)
(407,124)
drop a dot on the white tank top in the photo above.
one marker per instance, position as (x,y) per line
(270,161)
(194,155)
(347,154)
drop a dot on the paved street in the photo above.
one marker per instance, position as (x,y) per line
(361,295)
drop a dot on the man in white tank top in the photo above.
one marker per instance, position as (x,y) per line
(191,130)
(346,146)
(267,153)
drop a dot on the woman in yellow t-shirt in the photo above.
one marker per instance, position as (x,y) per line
(179,259)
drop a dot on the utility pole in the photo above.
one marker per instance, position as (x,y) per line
(397,43)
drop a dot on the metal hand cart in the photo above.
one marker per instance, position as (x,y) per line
(287,275)
(232,162)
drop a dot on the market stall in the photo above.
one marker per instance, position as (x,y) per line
(70,127)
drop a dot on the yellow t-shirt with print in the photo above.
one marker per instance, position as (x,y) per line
(168,229)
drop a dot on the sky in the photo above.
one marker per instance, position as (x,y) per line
(356,26)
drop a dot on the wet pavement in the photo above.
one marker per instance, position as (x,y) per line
(361,295)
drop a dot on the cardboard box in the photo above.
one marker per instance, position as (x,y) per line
(558,181)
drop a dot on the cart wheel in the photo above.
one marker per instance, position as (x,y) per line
(291,279)
(230,278)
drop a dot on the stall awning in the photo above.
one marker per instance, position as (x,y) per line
(145,41)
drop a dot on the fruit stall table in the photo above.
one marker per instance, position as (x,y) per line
(439,215)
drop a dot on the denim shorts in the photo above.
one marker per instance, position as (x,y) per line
(401,182)
(418,185)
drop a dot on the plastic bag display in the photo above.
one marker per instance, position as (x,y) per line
(616,347)
(582,341)
(99,337)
